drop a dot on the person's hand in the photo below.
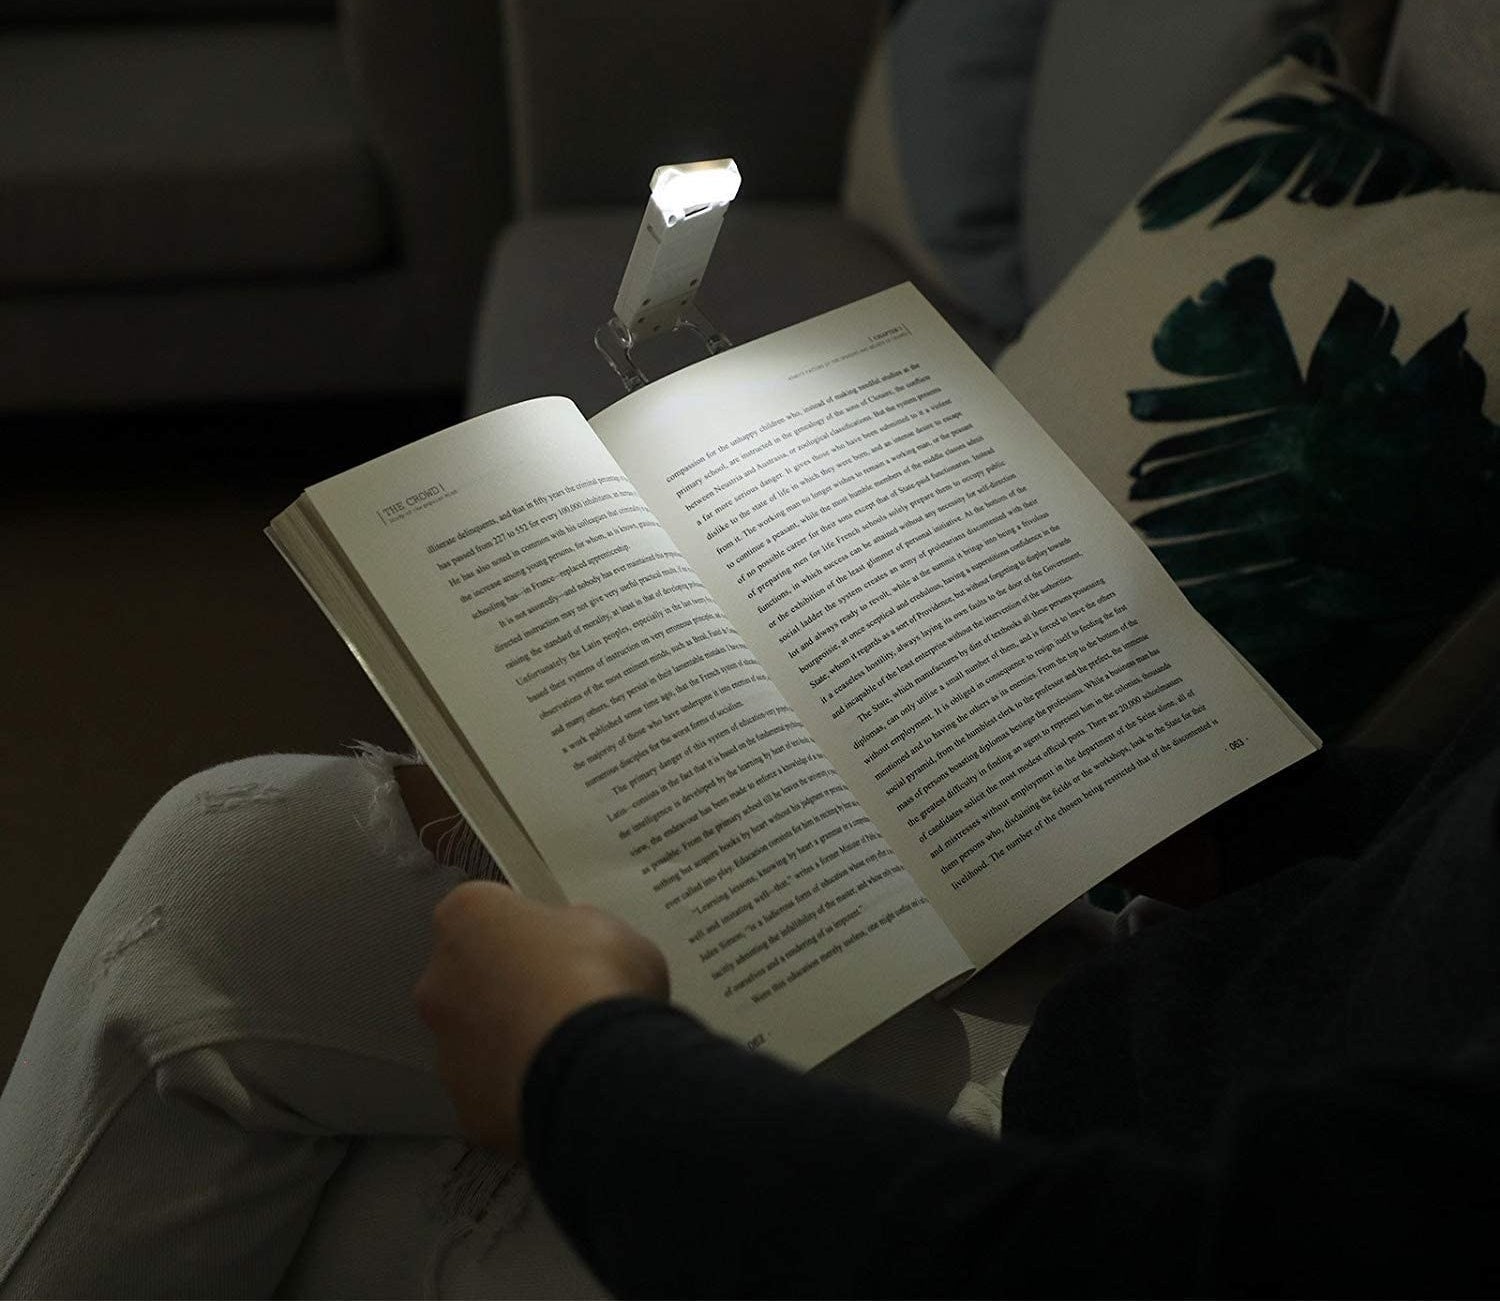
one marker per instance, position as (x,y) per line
(504,973)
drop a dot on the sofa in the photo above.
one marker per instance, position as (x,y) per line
(214,200)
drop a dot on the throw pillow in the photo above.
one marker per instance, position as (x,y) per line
(1274,364)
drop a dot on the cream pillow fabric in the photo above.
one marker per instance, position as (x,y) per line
(1274,364)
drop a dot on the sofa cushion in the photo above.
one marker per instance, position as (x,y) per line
(553,277)
(1274,363)
(153,153)
(934,162)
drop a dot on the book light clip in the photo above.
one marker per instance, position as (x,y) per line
(658,292)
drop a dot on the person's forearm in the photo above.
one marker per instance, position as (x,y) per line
(682,1164)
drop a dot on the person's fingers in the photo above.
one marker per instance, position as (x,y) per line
(503,973)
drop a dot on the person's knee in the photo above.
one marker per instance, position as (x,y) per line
(275,877)
(224,862)
(268,824)
(235,802)
(252,785)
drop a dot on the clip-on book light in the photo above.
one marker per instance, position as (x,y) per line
(658,293)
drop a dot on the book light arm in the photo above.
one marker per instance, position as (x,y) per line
(658,292)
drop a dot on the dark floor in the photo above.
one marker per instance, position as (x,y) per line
(151,630)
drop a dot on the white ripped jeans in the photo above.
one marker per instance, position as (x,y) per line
(226,1090)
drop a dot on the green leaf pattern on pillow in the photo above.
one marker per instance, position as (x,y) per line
(1330,147)
(1333,518)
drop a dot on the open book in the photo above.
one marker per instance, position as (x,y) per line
(817,662)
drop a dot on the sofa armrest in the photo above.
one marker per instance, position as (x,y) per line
(602,92)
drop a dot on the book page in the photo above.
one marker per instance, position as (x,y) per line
(644,750)
(1011,685)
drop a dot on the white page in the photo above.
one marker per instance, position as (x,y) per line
(1010,683)
(658,770)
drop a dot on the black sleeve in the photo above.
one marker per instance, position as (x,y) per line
(681,1164)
